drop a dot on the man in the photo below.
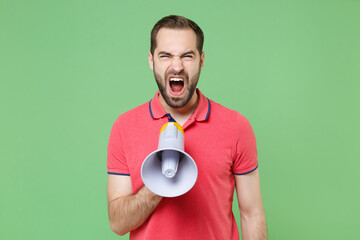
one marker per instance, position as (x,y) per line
(220,140)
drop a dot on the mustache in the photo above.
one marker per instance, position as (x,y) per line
(182,74)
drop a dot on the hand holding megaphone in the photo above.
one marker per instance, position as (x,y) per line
(169,171)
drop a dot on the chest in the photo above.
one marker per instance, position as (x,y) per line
(210,149)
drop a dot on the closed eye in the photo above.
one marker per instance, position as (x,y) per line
(164,55)
(188,55)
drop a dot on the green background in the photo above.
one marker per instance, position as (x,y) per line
(69,68)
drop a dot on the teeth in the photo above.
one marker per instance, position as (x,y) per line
(176,79)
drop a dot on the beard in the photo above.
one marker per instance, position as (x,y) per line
(177,102)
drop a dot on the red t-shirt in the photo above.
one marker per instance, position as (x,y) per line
(221,142)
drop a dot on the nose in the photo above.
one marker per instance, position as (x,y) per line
(177,65)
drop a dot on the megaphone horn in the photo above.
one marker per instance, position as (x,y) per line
(169,171)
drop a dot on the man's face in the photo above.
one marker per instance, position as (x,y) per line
(176,64)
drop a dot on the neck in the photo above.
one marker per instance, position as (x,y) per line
(181,115)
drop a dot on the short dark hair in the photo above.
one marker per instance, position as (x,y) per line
(177,22)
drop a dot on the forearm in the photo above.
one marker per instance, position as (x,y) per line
(129,212)
(253,227)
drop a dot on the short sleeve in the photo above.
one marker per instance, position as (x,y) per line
(245,158)
(116,160)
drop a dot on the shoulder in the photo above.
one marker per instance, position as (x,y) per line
(135,115)
(227,115)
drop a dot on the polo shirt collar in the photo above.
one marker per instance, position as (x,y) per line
(201,113)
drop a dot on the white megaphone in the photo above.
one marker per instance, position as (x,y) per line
(169,171)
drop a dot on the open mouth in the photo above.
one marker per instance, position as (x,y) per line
(177,85)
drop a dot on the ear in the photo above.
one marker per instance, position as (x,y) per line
(151,61)
(202,58)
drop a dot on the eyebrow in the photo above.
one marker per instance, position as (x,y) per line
(164,53)
(169,54)
(188,52)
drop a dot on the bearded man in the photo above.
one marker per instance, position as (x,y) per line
(221,142)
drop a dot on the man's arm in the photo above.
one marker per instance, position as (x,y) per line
(127,211)
(253,224)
